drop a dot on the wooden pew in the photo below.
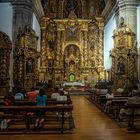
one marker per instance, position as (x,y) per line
(23,112)
(117,104)
(114,105)
(131,121)
(48,102)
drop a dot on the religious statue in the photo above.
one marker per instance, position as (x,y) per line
(122,22)
(71,67)
(53,7)
(51,34)
(120,67)
(29,66)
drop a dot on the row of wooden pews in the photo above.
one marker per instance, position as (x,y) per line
(115,104)
(24,113)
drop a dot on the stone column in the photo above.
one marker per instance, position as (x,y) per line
(128,10)
(22,16)
(100,48)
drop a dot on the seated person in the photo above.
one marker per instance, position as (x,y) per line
(109,95)
(8,101)
(19,95)
(55,94)
(61,97)
(65,91)
(41,101)
(31,95)
(132,100)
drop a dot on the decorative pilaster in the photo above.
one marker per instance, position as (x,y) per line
(43,64)
(100,54)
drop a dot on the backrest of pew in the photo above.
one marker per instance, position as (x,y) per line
(53,102)
(18,109)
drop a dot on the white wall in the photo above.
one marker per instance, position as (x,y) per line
(37,29)
(6,14)
(138,39)
(108,40)
(6,21)
(138,26)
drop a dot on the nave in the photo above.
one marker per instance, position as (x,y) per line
(90,124)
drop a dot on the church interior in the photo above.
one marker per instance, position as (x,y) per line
(81,45)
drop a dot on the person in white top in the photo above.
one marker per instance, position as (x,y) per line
(55,94)
(135,99)
(65,91)
(62,97)
(109,95)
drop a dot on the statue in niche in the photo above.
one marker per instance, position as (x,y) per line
(29,66)
(72,5)
(51,34)
(93,34)
(92,10)
(72,50)
(122,22)
(121,67)
(52,7)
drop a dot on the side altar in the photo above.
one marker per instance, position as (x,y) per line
(124,73)
(26,59)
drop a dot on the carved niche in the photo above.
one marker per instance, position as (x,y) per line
(51,34)
(72,5)
(72,62)
(50,8)
(5,49)
(93,34)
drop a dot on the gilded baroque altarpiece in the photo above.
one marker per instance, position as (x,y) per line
(124,72)
(72,49)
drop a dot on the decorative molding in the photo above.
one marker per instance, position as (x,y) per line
(110,8)
(38,9)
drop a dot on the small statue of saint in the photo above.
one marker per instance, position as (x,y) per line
(29,66)
(120,67)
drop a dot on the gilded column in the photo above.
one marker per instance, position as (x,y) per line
(101,68)
(43,61)
(85,49)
